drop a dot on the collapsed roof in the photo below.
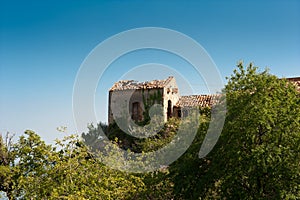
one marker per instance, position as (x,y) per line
(135,85)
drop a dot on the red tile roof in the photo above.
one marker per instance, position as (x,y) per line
(134,85)
(197,100)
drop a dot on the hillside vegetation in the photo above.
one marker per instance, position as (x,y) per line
(256,157)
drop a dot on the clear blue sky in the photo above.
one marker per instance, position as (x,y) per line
(43,44)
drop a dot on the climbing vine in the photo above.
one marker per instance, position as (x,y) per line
(155,98)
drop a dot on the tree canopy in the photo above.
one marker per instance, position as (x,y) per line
(257,155)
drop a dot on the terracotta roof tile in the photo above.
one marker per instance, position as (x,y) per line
(197,100)
(134,85)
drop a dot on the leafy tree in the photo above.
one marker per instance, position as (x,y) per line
(258,153)
(93,137)
(155,98)
(6,158)
(256,157)
(189,174)
(64,171)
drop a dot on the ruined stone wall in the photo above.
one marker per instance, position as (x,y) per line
(121,101)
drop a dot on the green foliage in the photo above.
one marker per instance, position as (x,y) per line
(258,153)
(65,171)
(155,98)
(159,140)
(126,141)
(189,174)
(256,157)
(94,135)
(6,158)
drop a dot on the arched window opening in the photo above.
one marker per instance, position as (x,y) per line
(169,111)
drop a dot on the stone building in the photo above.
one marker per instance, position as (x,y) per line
(295,81)
(136,97)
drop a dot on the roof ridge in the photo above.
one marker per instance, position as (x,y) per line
(133,84)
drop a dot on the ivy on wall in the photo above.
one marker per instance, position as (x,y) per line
(155,98)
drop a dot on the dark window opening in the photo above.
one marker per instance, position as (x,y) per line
(169,111)
(179,113)
(136,111)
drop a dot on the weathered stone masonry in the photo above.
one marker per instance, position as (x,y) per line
(163,92)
